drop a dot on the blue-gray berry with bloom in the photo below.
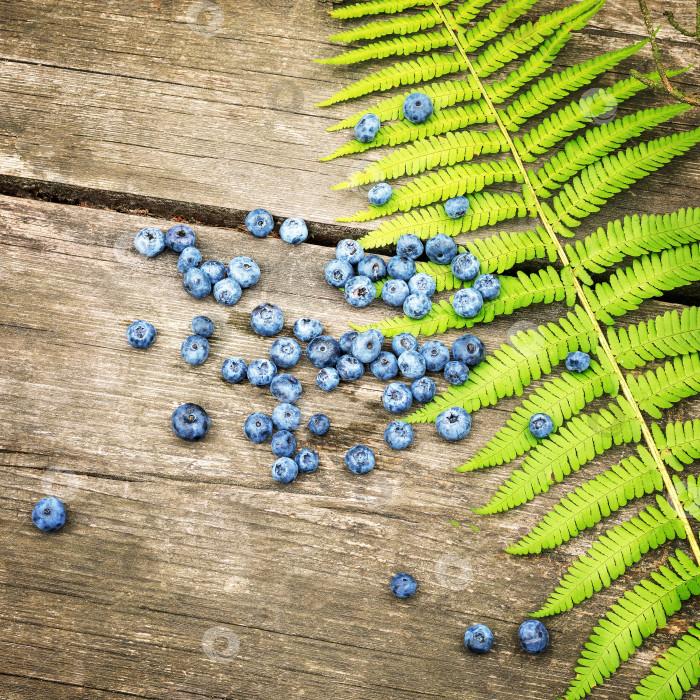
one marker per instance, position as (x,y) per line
(234,370)
(372,266)
(141,335)
(423,389)
(465,266)
(189,257)
(285,470)
(441,249)
(283,444)
(49,514)
(404,341)
(395,292)
(398,435)
(411,364)
(267,319)
(285,352)
(190,422)
(338,272)
(286,416)
(453,424)
(227,291)
(259,222)
(359,459)
(258,427)
(417,306)
(202,325)
(214,269)
(261,372)
(244,270)
(286,388)
(307,461)
(456,373)
(533,636)
(367,346)
(468,349)
(417,107)
(422,283)
(401,268)
(403,585)
(194,350)
(367,127)
(319,424)
(380,194)
(488,285)
(360,291)
(349,368)
(436,355)
(478,639)
(346,341)
(349,250)
(467,302)
(323,351)
(397,397)
(150,242)
(541,425)
(409,246)
(306,329)
(385,366)
(578,361)
(178,237)
(294,231)
(196,283)
(327,378)
(456,207)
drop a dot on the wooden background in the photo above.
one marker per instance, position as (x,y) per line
(184,571)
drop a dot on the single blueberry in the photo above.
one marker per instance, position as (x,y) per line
(178,237)
(423,389)
(215,270)
(49,514)
(367,346)
(227,291)
(196,283)
(436,355)
(468,349)
(578,361)
(285,352)
(359,459)
(401,268)
(234,369)
(349,368)
(286,388)
(417,107)
(404,341)
(202,325)
(294,231)
(395,292)
(267,319)
(190,422)
(141,335)
(327,378)
(456,373)
(397,397)
(346,341)
(456,207)
(319,424)
(380,194)
(489,286)
(307,329)
(349,250)
(422,283)
(150,242)
(398,435)
(244,270)
(286,416)
(323,351)
(194,350)
(372,266)
(409,246)
(384,366)
(259,222)
(338,272)
(261,372)
(465,266)
(411,364)
(258,427)
(467,302)
(285,470)
(189,257)
(541,425)
(478,639)
(533,636)
(367,127)
(417,306)
(453,423)
(307,461)
(403,585)
(359,291)
(441,249)
(283,444)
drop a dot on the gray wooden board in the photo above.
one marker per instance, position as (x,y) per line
(184,570)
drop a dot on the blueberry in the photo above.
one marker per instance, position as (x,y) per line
(489,286)
(190,422)
(323,351)
(541,425)
(244,270)
(384,366)
(319,424)
(401,268)
(141,334)
(422,283)
(417,306)
(395,292)
(306,329)
(359,459)
(202,325)
(189,257)
(338,272)
(403,585)
(578,361)
(423,389)
(411,364)
(150,242)
(398,435)
(359,291)
(178,237)
(307,461)
(456,373)
(367,127)
(372,266)
(49,514)
(285,470)
(294,231)
(286,416)
(468,349)
(367,346)
(194,350)
(234,369)
(436,355)
(453,423)
(467,302)
(349,368)
(409,246)
(227,291)
(258,427)
(465,266)
(478,639)
(196,283)
(267,319)
(283,444)
(346,341)
(441,249)
(349,250)
(397,397)
(259,222)
(533,636)
(456,207)
(286,388)
(261,372)
(327,378)
(285,352)
(215,270)
(380,194)
(404,341)
(417,107)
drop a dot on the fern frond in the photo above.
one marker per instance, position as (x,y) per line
(680,444)
(635,616)
(688,495)
(575,444)
(378,7)
(611,554)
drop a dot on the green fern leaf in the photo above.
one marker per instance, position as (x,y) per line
(377,7)
(502,251)
(680,444)
(688,495)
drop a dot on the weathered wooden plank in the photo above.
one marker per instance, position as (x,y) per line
(173,549)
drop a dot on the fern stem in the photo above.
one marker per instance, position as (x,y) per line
(534,201)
